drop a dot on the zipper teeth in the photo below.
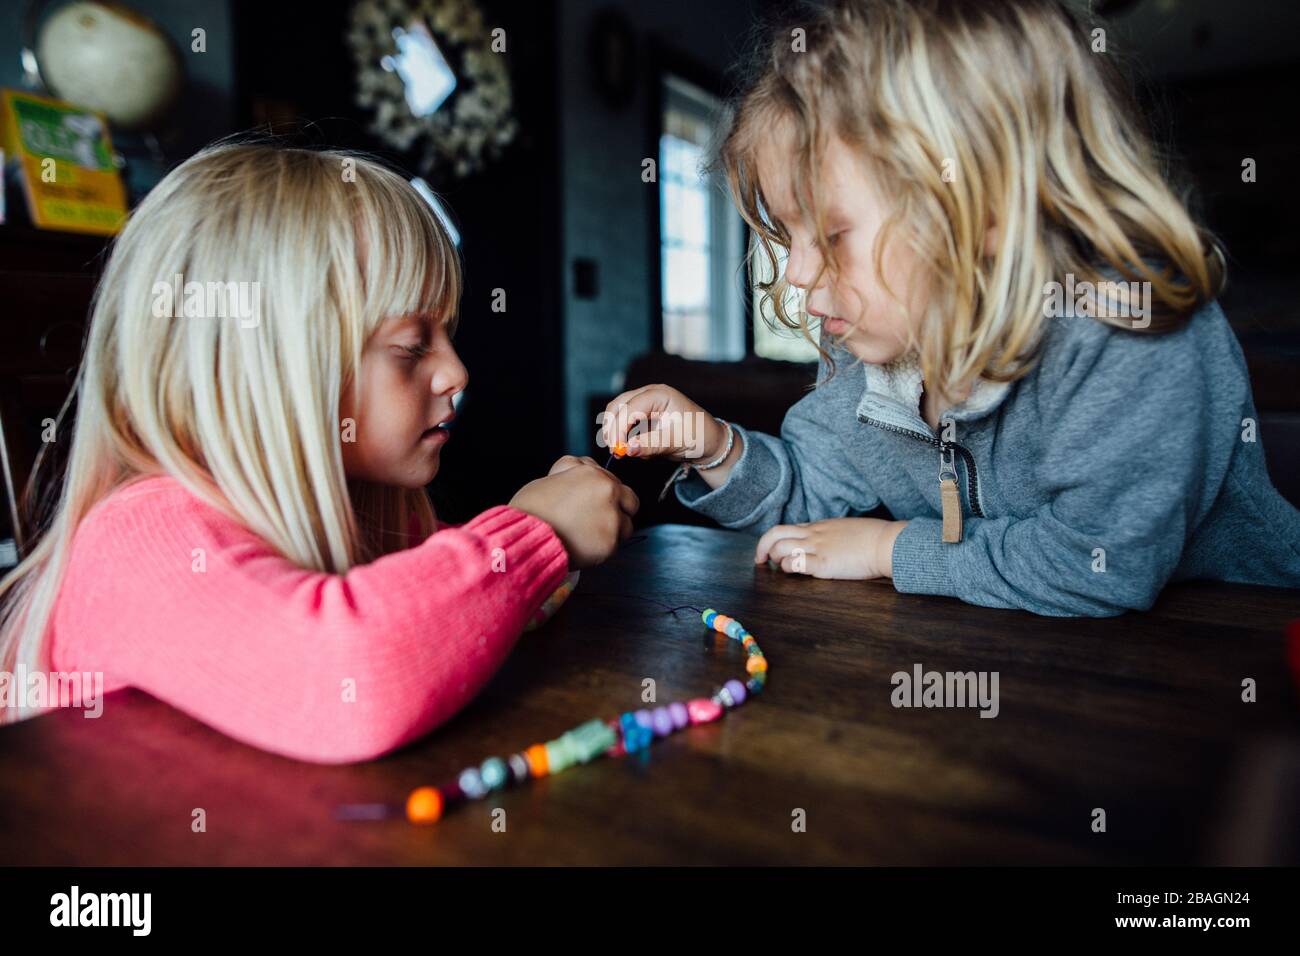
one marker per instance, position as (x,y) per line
(930,439)
(974,479)
(901,431)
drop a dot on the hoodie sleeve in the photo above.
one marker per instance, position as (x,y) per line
(802,476)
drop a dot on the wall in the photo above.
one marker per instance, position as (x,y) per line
(205,110)
(604,201)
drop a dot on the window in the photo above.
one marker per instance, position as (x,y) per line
(423,69)
(778,342)
(700,233)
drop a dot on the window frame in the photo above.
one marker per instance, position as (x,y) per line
(663,62)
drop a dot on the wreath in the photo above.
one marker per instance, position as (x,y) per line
(475,123)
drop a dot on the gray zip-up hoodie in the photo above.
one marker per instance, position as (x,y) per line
(1122,461)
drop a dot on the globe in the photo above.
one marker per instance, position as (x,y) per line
(106,57)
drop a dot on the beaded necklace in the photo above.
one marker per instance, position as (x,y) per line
(629,733)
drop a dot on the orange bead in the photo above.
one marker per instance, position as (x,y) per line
(620,450)
(537,762)
(756,664)
(720,623)
(424,805)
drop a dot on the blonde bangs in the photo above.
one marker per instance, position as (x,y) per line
(410,266)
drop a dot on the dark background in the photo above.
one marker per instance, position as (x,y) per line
(568,195)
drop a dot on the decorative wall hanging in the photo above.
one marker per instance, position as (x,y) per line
(437,81)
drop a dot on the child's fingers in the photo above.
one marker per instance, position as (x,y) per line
(791,564)
(618,415)
(787,547)
(654,442)
(624,527)
(774,534)
(564,464)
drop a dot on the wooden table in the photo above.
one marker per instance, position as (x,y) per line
(1140,715)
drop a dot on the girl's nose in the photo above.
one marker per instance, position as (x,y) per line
(800,267)
(451,376)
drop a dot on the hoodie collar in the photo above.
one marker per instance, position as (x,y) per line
(893,396)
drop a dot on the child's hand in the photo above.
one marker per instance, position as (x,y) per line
(675,427)
(590,510)
(842,548)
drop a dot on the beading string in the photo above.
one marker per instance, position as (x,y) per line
(630,732)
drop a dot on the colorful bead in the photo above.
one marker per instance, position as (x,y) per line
(620,450)
(737,690)
(680,715)
(588,741)
(494,773)
(471,781)
(617,750)
(424,805)
(552,603)
(663,722)
(518,768)
(703,711)
(635,737)
(628,733)
(536,757)
(558,757)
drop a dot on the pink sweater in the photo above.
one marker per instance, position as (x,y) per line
(330,668)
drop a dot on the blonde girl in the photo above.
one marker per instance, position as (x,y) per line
(242,530)
(1023,360)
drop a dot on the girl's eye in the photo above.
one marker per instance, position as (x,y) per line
(834,237)
(414,351)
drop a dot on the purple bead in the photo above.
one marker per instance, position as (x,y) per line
(679,714)
(737,690)
(663,722)
(518,767)
(644,719)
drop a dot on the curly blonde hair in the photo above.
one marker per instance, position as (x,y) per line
(1046,142)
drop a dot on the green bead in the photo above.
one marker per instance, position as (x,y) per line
(591,739)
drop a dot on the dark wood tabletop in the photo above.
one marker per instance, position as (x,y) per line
(1141,716)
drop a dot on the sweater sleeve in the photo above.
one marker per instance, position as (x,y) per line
(164,594)
(802,476)
(1133,450)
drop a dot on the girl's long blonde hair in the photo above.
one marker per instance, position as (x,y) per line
(243,412)
(971,114)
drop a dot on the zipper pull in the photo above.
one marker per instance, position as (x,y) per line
(949,496)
